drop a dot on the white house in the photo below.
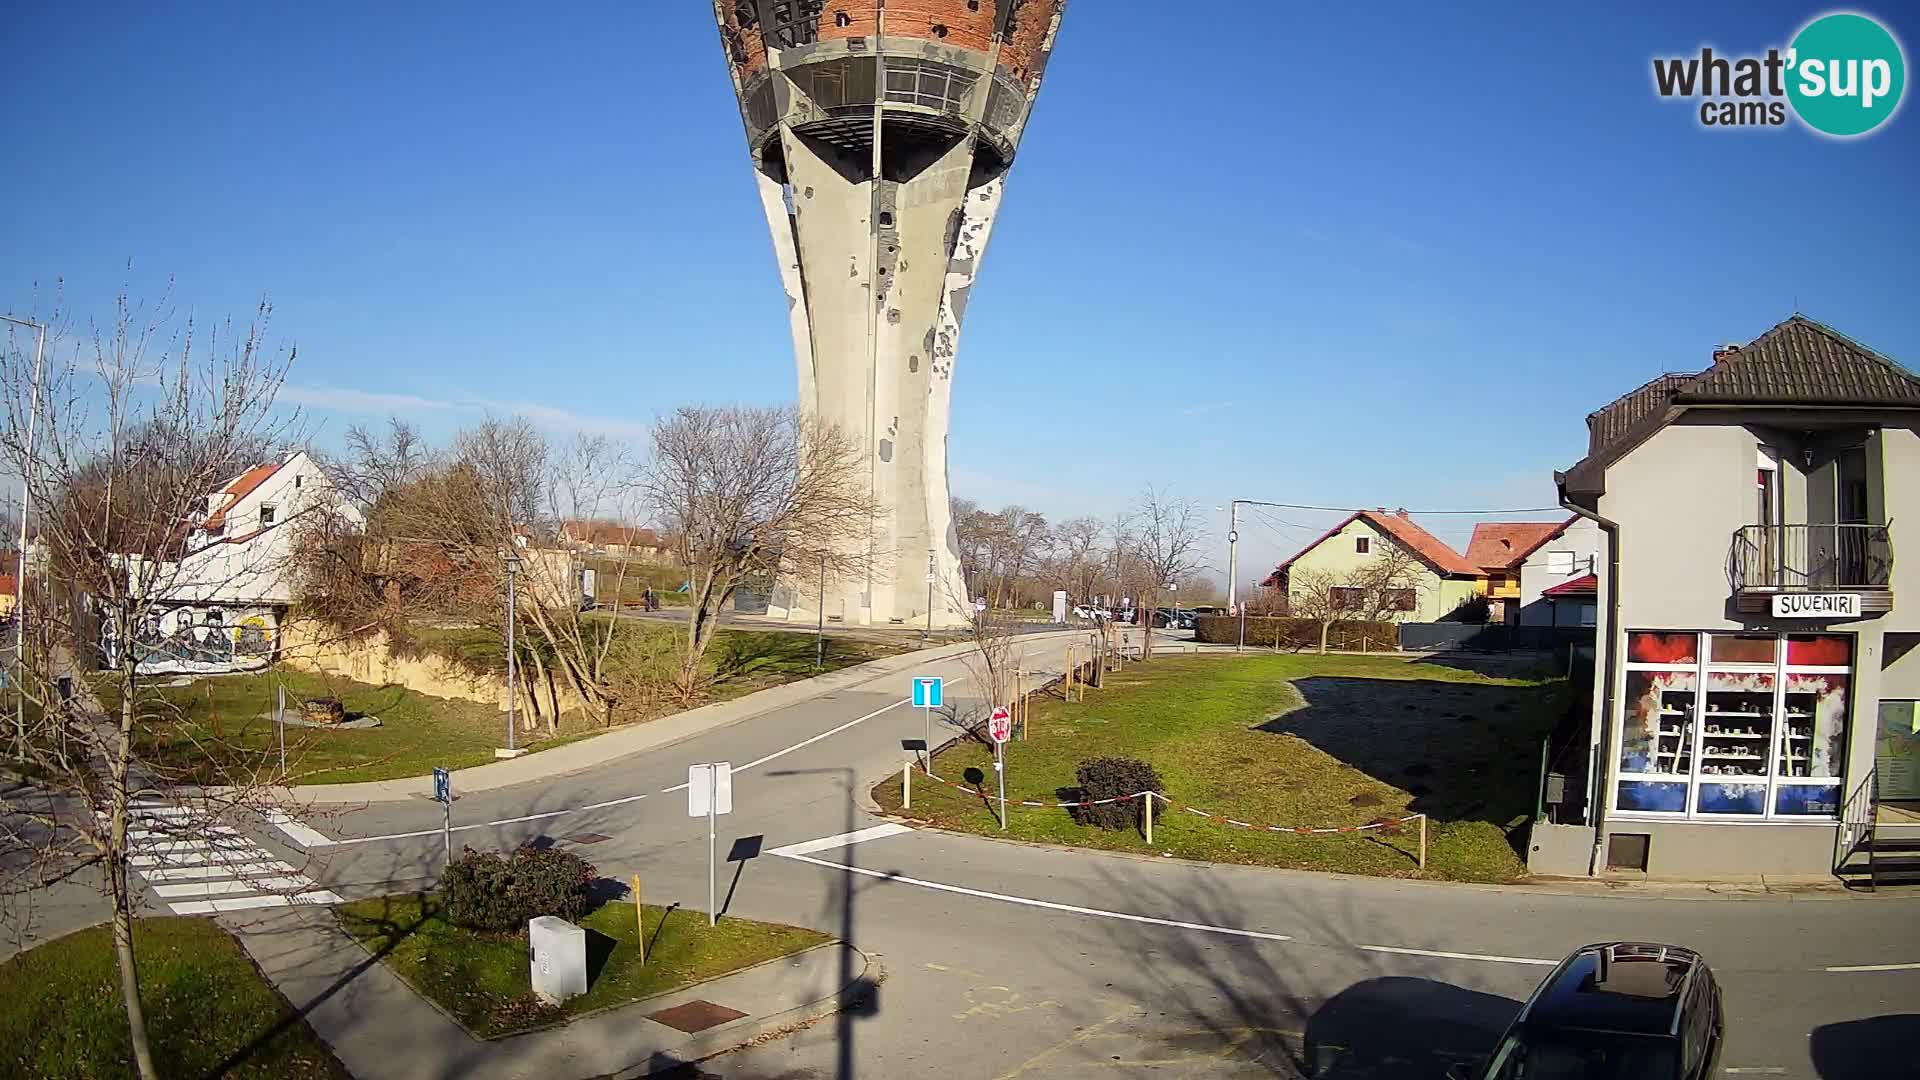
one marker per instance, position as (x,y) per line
(1558,584)
(224,599)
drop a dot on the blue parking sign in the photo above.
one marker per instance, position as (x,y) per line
(926,692)
(442,785)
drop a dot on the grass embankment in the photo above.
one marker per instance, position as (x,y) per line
(482,980)
(209,1012)
(220,729)
(1281,740)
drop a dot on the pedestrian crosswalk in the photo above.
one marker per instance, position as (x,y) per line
(198,867)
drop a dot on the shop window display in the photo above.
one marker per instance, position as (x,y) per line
(1721,726)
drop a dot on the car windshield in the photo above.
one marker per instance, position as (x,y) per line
(1581,1055)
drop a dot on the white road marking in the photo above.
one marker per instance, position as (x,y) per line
(1024,901)
(1766,1070)
(814,739)
(230,888)
(827,843)
(296,831)
(242,903)
(457,828)
(221,870)
(187,858)
(1534,961)
(611,802)
(1874,967)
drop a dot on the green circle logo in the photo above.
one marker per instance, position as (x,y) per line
(1845,74)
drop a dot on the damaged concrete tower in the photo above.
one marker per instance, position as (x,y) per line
(881,131)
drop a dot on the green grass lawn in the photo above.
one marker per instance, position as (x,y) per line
(209,1012)
(219,730)
(1290,740)
(482,978)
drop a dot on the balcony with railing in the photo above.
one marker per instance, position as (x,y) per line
(1770,560)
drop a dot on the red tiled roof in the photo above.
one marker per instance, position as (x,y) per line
(1429,548)
(1584,585)
(1501,545)
(242,486)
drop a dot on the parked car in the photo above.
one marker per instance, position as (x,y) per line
(1172,619)
(1091,613)
(1620,1010)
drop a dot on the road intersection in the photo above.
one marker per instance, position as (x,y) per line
(1010,959)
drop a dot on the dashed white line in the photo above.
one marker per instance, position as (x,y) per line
(344,841)
(828,843)
(1026,901)
(1530,960)
(1872,967)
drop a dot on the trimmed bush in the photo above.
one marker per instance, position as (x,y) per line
(483,891)
(1297,634)
(1116,778)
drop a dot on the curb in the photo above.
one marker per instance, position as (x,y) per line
(737,1036)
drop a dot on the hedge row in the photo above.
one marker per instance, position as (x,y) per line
(1297,634)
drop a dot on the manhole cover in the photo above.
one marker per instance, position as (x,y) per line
(585,838)
(696,1016)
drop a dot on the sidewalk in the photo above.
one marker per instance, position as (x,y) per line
(379,1028)
(652,735)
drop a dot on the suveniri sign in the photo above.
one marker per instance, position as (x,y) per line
(1816,605)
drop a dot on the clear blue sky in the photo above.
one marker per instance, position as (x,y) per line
(1388,256)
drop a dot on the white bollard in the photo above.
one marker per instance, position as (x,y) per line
(558,953)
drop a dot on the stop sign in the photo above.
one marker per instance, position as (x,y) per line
(1000,724)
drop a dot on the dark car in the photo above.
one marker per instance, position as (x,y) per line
(1621,1010)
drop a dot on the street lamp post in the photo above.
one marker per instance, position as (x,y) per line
(513,685)
(26,510)
(1233,571)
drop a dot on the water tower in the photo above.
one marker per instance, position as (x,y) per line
(881,132)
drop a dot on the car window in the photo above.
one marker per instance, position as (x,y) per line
(1559,1055)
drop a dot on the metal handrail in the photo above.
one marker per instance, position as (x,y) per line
(1842,556)
(1856,826)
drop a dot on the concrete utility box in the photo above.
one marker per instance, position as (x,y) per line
(558,952)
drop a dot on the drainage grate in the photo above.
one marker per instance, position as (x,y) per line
(586,838)
(696,1016)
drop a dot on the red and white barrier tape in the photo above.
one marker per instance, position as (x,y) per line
(1297,830)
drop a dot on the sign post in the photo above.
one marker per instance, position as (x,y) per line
(999,729)
(927,696)
(280,725)
(443,794)
(710,794)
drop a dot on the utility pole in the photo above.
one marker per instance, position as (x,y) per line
(820,620)
(26,510)
(930,576)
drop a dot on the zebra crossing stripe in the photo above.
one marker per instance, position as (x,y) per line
(199,867)
(215,870)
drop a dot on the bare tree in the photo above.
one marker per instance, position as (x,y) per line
(1077,547)
(746,491)
(129,445)
(377,462)
(1167,537)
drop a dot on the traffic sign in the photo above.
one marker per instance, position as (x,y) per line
(1000,724)
(927,691)
(442,785)
(710,789)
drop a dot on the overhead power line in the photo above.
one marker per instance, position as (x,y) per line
(1377,509)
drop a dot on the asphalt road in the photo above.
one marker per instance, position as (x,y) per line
(1007,960)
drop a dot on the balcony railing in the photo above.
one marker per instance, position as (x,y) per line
(1805,558)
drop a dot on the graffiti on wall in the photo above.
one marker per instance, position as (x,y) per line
(202,641)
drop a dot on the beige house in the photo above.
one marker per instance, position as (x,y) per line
(1757,672)
(1437,579)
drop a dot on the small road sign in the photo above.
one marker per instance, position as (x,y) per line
(927,691)
(442,785)
(710,789)
(710,794)
(1000,724)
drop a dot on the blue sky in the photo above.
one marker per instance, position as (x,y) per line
(1386,257)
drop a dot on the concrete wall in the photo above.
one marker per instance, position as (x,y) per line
(1705,850)
(1336,556)
(369,658)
